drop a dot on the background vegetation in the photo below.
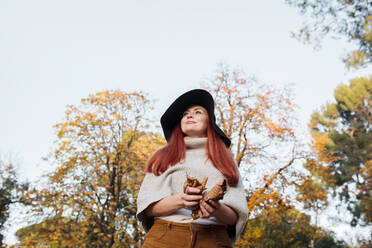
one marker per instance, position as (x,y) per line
(103,143)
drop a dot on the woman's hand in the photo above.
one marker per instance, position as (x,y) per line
(172,203)
(207,209)
(221,211)
(190,199)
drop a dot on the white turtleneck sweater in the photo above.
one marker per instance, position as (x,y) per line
(195,164)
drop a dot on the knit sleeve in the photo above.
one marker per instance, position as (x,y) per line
(153,189)
(235,198)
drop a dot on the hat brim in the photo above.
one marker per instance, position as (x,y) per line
(173,115)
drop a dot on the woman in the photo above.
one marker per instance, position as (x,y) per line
(196,147)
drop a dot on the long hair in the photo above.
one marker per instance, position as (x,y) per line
(221,157)
(175,151)
(169,155)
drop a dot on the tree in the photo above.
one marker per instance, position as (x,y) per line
(312,193)
(39,234)
(351,19)
(10,192)
(282,226)
(101,151)
(260,121)
(342,142)
(246,108)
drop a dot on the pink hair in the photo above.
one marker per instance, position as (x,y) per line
(175,151)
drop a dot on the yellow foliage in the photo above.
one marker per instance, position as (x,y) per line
(259,119)
(320,143)
(102,148)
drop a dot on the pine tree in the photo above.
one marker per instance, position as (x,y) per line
(342,134)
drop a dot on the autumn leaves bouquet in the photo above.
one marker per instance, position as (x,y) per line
(215,193)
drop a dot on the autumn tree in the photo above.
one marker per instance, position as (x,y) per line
(312,192)
(10,192)
(350,19)
(254,115)
(89,198)
(283,226)
(260,120)
(342,142)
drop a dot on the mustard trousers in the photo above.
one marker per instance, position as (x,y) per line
(166,234)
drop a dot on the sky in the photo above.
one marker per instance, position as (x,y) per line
(54,53)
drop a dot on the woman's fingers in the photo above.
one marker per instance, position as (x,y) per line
(214,204)
(190,200)
(191,197)
(208,208)
(205,213)
(192,191)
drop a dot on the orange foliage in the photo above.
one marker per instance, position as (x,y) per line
(259,120)
(89,199)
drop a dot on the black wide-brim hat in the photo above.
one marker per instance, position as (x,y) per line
(173,115)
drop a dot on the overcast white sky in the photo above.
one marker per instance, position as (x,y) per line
(53,53)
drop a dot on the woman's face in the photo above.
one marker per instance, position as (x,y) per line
(195,121)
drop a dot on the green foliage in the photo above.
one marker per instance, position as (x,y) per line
(351,19)
(8,183)
(10,192)
(342,134)
(285,227)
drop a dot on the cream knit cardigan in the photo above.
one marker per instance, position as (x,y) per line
(195,164)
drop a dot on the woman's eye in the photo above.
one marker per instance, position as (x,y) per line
(185,113)
(198,112)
